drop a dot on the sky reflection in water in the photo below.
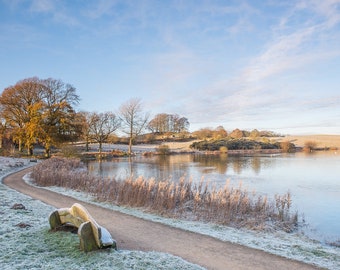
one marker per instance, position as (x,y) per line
(313,179)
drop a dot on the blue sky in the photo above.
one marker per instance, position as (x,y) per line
(269,64)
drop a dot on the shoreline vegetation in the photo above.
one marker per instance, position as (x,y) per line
(229,146)
(235,207)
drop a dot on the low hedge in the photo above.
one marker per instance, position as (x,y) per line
(233,144)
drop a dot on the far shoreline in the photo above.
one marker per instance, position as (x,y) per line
(324,142)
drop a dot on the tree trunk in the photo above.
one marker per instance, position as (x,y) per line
(130,146)
(47,151)
(19,146)
(30,150)
(100,148)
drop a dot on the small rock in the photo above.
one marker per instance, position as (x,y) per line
(18,206)
(23,225)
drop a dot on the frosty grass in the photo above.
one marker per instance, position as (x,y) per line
(34,247)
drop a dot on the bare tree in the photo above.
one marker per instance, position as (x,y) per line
(134,120)
(101,126)
(58,117)
(168,123)
(159,123)
(84,119)
(181,124)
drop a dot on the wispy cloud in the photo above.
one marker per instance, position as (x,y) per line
(57,11)
(286,52)
(259,90)
(42,6)
(100,8)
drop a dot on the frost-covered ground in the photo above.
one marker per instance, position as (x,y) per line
(43,248)
(26,243)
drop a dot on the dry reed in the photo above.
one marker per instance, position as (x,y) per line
(228,206)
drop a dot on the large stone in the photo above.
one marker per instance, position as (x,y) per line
(92,236)
(87,238)
(54,220)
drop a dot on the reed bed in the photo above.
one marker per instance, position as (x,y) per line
(230,206)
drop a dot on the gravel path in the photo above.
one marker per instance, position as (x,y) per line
(137,234)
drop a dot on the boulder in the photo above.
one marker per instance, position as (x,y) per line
(92,236)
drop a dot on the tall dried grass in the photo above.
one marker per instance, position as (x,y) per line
(228,206)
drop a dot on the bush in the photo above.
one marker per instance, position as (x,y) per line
(287,146)
(309,146)
(163,149)
(70,151)
(223,149)
(233,144)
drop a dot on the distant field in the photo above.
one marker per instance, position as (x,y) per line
(332,141)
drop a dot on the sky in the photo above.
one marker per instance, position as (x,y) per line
(264,64)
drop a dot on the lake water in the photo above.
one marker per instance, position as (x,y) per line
(313,179)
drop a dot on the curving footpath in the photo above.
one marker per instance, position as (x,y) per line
(137,234)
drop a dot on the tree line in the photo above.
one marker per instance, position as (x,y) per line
(163,123)
(220,133)
(42,111)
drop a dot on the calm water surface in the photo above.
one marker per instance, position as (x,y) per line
(313,179)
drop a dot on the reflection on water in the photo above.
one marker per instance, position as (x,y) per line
(176,166)
(313,179)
